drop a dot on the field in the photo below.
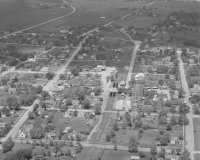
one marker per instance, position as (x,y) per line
(196,156)
(197,134)
(138,21)
(17,15)
(116,155)
(165,8)
(95,12)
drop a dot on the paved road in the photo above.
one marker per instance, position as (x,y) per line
(136,47)
(40,24)
(105,96)
(125,148)
(189,128)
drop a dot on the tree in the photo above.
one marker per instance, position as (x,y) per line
(173,120)
(164,140)
(11,101)
(4,80)
(161,82)
(50,75)
(78,148)
(114,142)
(185,156)
(133,145)
(107,138)
(162,153)
(112,134)
(75,113)
(30,115)
(182,120)
(39,89)
(115,126)
(37,132)
(78,137)
(7,145)
(86,104)
(24,154)
(184,109)
(154,150)
(97,109)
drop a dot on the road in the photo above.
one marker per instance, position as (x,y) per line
(136,47)
(105,96)
(46,22)
(124,148)
(189,137)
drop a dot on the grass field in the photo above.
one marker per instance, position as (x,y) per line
(197,133)
(17,15)
(90,12)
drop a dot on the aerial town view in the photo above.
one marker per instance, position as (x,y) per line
(99,80)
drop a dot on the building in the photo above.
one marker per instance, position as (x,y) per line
(25,131)
(135,158)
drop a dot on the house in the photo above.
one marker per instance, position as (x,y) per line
(11,90)
(101,68)
(2,124)
(25,131)
(135,158)
(67,129)
(174,140)
(52,134)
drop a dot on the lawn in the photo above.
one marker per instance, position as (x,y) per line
(116,155)
(17,15)
(3,97)
(196,122)
(123,136)
(148,138)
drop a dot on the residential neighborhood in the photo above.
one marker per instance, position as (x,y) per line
(100,80)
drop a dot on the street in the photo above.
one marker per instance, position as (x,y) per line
(189,137)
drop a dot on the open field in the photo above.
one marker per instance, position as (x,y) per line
(96,12)
(196,133)
(16,15)
(138,21)
(165,8)
(196,156)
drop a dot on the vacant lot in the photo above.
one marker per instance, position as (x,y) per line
(197,133)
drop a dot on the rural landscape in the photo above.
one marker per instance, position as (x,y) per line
(99,80)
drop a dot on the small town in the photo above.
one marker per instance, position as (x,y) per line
(124,88)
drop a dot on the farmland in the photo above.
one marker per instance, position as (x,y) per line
(17,15)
